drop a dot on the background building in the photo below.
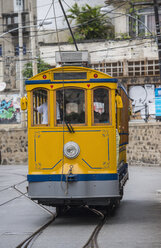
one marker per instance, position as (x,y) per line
(13,14)
(132,56)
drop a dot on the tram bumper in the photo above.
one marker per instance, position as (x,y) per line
(75,191)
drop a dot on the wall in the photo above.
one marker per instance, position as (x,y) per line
(10,108)
(144,144)
(105,51)
(144,147)
(13,146)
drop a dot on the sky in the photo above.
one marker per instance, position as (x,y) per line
(45,10)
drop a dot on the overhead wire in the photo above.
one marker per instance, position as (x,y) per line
(109,48)
(51,18)
(80,12)
(62,172)
(77,26)
(90,51)
(42,24)
(51,32)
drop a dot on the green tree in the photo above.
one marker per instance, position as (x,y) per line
(91,23)
(41,66)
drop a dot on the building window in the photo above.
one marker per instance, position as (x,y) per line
(0,50)
(17,50)
(19,2)
(9,21)
(15,19)
(18,5)
(24,49)
(144,24)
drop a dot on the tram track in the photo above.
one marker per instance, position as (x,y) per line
(29,241)
(12,187)
(92,241)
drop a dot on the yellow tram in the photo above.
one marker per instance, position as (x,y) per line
(77,137)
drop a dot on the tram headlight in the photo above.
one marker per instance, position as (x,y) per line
(71,150)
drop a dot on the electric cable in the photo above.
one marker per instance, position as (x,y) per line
(62,172)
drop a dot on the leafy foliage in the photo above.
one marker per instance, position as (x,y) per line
(41,66)
(91,23)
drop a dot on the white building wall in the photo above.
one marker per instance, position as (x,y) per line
(106,50)
(121,26)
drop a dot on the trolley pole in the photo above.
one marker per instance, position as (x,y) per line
(71,32)
(158,34)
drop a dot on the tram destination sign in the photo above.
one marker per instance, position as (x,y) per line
(70,75)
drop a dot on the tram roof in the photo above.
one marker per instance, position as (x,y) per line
(69,74)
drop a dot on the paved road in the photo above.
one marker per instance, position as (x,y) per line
(136,223)
(19,217)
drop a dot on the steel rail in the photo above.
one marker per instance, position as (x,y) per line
(92,241)
(12,185)
(28,242)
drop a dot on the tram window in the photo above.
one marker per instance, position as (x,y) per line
(40,107)
(101,105)
(70,106)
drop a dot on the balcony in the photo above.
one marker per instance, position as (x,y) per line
(10,22)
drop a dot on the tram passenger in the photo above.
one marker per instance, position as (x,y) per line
(43,109)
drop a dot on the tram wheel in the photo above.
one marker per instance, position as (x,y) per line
(121,193)
(59,210)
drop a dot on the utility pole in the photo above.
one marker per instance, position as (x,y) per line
(158,34)
(32,39)
(20,46)
(20,41)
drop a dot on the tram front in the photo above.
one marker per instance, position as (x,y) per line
(72,156)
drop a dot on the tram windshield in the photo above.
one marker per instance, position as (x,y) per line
(70,106)
(101,105)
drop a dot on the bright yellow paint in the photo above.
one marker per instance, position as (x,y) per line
(119,101)
(23,103)
(97,143)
